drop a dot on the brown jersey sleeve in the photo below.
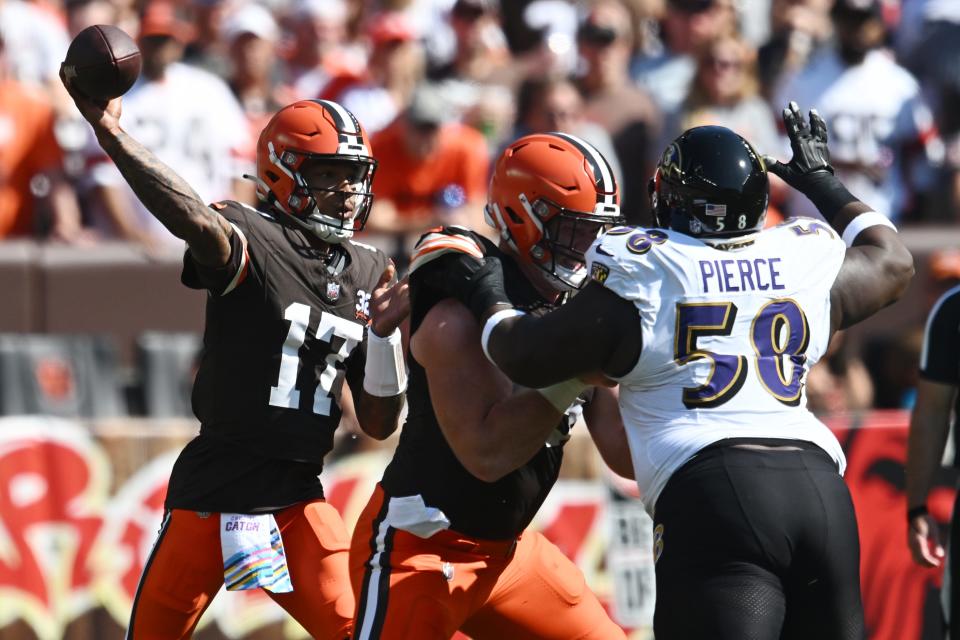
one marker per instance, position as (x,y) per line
(220,281)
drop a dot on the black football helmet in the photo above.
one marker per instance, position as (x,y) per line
(710,183)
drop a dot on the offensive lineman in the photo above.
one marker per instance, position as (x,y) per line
(709,325)
(442,545)
(290,298)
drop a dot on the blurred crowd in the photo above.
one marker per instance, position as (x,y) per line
(443,85)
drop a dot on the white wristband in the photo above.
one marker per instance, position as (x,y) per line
(863,221)
(384,374)
(562,394)
(491,324)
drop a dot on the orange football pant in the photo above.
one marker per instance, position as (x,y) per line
(410,588)
(185,571)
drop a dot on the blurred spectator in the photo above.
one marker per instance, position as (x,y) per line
(31,163)
(725,93)
(477,65)
(840,381)
(395,68)
(523,35)
(188,118)
(936,60)
(943,274)
(883,142)
(36,42)
(554,104)
(799,28)
(480,53)
(315,50)
(949,199)
(434,172)
(893,362)
(646,17)
(554,24)
(208,47)
(492,113)
(687,26)
(613,101)
(81,14)
(753,20)
(923,26)
(251,34)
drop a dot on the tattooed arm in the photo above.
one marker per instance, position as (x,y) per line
(165,194)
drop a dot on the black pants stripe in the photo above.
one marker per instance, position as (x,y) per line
(376,580)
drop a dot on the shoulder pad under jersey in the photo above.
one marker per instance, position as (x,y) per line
(443,241)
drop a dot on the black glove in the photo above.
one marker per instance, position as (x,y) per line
(477,283)
(809,171)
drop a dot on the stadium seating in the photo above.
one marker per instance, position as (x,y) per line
(63,375)
(167,366)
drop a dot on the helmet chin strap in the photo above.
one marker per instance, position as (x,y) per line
(325,231)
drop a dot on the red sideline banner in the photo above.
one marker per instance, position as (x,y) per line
(80,506)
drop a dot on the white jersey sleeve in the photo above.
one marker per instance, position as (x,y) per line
(729,332)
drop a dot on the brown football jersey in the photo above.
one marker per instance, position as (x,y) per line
(424,463)
(285,325)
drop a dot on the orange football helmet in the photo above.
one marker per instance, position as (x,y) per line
(550,196)
(315,130)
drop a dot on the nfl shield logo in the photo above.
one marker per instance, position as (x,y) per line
(333,291)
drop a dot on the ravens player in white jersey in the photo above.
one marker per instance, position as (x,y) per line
(295,306)
(709,323)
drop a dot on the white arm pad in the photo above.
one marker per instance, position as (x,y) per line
(562,394)
(385,373)
(861,222)
(492,323)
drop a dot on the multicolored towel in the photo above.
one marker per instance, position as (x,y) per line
(253,554)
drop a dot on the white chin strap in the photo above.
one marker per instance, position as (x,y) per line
(570,278)
(327,228)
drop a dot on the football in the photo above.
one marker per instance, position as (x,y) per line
(103,62)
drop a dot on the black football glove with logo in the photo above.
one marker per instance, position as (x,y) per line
(809,171)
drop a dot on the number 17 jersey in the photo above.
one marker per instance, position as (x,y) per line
(729,332)
(285,327)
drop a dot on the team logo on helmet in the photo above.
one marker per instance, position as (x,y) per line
(670,162)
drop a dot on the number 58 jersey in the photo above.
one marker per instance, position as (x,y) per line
(729,333)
